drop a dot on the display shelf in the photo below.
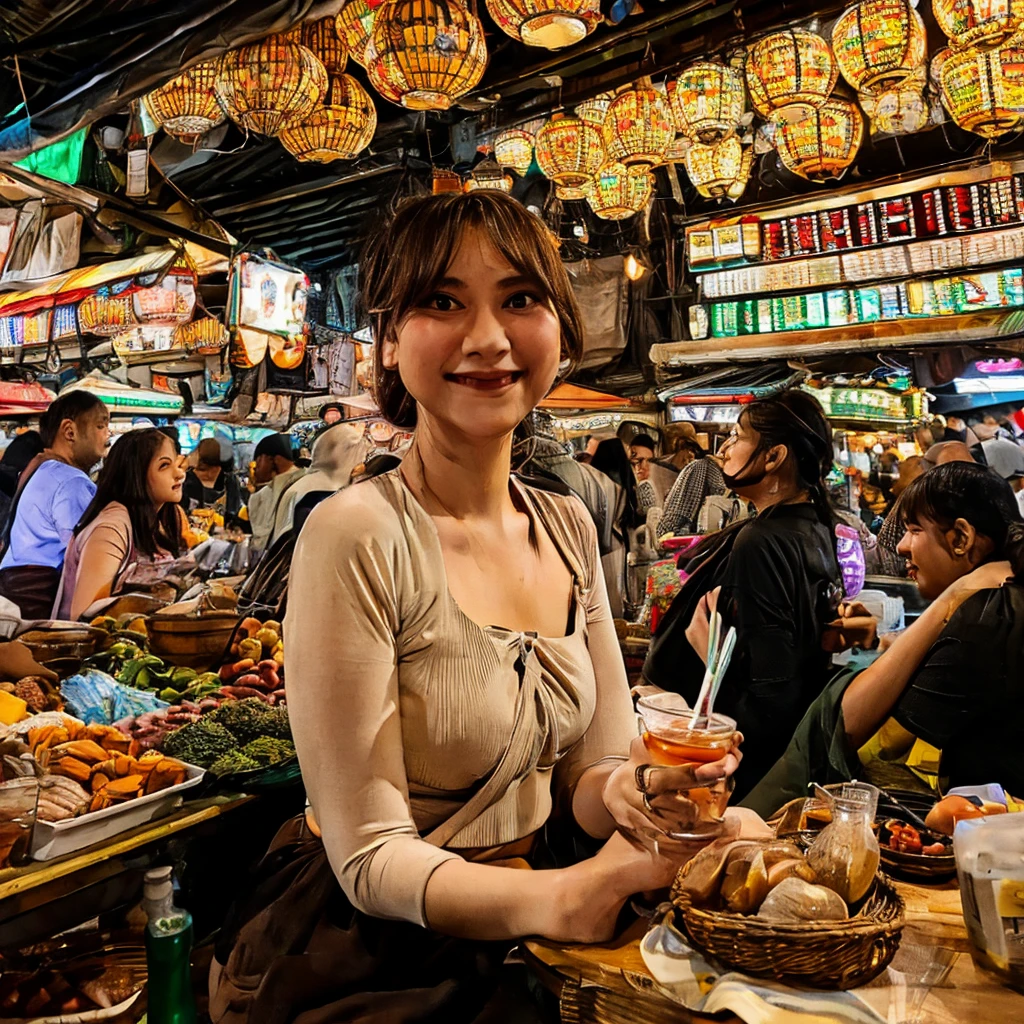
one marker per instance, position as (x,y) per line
(969,328)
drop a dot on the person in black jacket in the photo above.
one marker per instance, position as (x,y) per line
(779,577)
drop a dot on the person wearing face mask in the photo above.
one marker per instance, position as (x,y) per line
(779,577)
(133,518)
(937,709)
(52,494)
(456,692)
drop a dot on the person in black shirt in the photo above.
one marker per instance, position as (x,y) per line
(954,678)
(211,483)
(779,578)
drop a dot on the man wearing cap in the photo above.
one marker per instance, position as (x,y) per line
(1006,458)
(276,470)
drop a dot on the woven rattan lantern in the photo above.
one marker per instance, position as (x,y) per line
(339,130)
(354,24)
(321,36)
(187,106)
(638,127)
(895,111)
(569,151)
(596,109)
(552,24)
(615,194)
(980,23)
(789,74)
(714,170)
(271,84)
(569,194)
(431,51)
(983,90)
(377,75)
(513,148)
(707,101)
(878,43)
(823,145)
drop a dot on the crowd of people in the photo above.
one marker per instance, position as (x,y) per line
(458,698)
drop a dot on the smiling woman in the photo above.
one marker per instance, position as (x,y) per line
(476,717)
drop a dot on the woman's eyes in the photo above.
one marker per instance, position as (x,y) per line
(441,303)
(522,300)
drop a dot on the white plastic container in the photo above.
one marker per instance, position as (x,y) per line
(990,865)
(52,839)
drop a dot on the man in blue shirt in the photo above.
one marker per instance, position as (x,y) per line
(53,493)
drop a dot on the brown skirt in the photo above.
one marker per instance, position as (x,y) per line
(297,952)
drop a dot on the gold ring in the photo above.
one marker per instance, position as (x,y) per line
(641,781)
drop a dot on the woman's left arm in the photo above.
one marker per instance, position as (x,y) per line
(102,556)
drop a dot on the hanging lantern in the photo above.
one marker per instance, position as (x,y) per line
(377,75)
(638,127)
(569,194)
(823,145)
(616,193)
(707,101)
(431,51)
(984,91)
(789,74)
(187,106)
(595,110)
(354,24)
(552,24)
(878,43)
(514,148)
(321,36)
(339,130)
(895,111)
(271,84)
(676,153)
(980,23)
(714,170)
(569,151)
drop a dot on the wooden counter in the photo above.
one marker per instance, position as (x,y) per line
(609,983)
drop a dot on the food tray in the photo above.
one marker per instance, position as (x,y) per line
(52,839)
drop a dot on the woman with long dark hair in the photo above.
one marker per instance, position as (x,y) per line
(779,577)
(133,517)
(951,680)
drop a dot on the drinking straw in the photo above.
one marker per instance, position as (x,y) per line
(709,671)
(721,666)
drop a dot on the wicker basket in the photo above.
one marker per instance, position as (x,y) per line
(825,954)
(197,643)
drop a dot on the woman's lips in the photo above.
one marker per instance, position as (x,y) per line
(485,381)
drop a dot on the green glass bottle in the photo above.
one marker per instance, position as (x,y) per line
(168,951)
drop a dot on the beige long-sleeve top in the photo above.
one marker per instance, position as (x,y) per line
(400,704)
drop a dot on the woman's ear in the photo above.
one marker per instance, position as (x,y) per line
(775,457)
(966,542)
(389,354)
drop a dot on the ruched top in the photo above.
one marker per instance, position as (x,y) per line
(401,705)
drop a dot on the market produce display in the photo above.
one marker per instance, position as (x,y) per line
(238,736)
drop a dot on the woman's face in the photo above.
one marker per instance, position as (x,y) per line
(738,451)
(479,353)
(165,475)
(932,562)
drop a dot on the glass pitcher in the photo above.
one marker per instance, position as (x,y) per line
(845,856)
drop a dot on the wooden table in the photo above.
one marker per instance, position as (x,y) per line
(610,984)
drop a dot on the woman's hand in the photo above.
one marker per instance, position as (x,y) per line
(855,627)
(665,806)
(699,629)
(989,576)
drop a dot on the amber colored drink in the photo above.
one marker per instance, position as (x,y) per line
(683,746)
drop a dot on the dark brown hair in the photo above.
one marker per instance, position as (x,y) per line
(407,258)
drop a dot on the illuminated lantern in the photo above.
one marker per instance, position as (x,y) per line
(615,193)
(638,127)
(354,24)
(569,151)
(339,130)
(981,23)
(187,106)
(514,148)
(595,110)
(878,43)
(548,23)
(707,101)
(376,74)
(271,84)
(566,194)
(823,145)
(717,170)
(895,111)
(789,74)
(487,174)
(676,153)
(430,51)
(983,90)
(321,36)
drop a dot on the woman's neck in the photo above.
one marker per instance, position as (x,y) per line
(466,479)
(771,491)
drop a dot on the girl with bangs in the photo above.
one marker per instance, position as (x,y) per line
(937,710)
(457,696)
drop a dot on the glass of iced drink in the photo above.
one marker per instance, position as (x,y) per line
(18,799)
(669,734)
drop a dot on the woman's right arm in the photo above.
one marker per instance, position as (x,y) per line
(871,697)
(101,559)
(341,660)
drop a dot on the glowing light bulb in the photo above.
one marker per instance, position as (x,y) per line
(633,268)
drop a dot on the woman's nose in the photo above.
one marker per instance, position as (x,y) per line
(486,333)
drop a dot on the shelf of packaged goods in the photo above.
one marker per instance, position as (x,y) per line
(997,325)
